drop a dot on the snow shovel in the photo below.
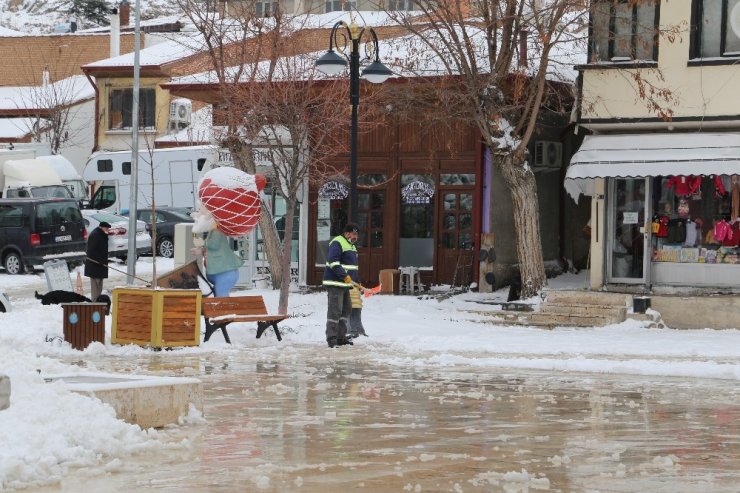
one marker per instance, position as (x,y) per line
(368,292)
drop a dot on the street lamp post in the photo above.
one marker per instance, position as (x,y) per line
(332,63)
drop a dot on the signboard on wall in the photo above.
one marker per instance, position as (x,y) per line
(417,192)
(333,190)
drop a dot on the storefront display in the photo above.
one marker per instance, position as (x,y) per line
(696,219)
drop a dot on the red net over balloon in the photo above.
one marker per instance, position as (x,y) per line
(232,198)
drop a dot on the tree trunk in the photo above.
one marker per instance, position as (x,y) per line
(271,244)
(523,187)
(287,251)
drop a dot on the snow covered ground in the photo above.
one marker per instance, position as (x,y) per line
(47,429)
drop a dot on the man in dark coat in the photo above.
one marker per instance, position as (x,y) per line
(96,262)
(339,274)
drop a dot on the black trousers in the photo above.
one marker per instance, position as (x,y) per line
(339,308)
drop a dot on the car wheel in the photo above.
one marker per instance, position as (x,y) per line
(13,263)
(165,247)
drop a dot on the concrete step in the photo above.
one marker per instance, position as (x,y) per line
(564,320)
(614,312)
(588,298)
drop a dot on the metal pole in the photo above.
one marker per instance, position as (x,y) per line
(354,99)
(134,188)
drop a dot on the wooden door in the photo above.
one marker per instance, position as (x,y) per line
(371,244)
(455,236)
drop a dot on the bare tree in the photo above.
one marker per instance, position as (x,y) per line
(502,64)
(271,101)
(495,64)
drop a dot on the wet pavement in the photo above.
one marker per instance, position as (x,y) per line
(303,419)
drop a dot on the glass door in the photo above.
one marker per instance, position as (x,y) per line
(628,239)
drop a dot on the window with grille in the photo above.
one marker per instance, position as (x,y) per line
(624,30)
(120,108)
(266,9)
(401,5)
(336,5)
(712,31)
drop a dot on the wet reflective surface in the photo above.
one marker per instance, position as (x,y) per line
(309,420)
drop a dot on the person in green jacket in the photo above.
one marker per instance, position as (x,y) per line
(222,263)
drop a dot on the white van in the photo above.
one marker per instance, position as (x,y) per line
(69,175)
(30,178)
(175,173)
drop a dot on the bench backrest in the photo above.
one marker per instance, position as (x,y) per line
(233,305)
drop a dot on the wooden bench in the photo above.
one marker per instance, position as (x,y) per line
(220,312)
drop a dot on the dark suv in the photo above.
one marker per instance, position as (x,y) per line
(166,218)
(33,231)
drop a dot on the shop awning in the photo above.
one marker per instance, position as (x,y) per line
(641,155)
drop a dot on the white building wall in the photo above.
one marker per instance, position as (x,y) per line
(700,91)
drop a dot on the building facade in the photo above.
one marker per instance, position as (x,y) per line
(662,160)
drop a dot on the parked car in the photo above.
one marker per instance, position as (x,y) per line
(166,218)
(35,230)
(118,233)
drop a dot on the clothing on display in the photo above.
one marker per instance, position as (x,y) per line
(690,230)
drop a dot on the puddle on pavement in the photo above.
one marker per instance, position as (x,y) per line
(331,423)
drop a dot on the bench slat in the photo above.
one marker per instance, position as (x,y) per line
(220,312)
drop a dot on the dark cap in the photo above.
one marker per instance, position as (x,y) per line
(104,224)
(351,228)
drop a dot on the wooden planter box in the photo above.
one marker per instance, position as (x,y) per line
(156,317)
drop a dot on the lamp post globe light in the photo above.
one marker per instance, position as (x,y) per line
(332,63)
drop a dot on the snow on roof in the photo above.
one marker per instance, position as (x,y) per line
(4,31)
(408,56)
(71,90)
(15,128)
(175,46)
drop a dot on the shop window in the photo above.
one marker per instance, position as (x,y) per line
(624,30)
(712,33)
(278,208)
(266,8)
(417,221)
(457,179)
(695,219)
(120,108)
(331,216)
(338,5)
(401,5)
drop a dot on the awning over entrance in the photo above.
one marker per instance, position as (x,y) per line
(641,155)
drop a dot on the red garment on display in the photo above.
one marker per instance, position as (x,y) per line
(719,187)
(662,227)
(685,185)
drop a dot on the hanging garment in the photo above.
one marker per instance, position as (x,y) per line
(660,226)
(691,234)
(722,231)
(676,231)
(684,185)
(683,210)
(735,196)
(719,186)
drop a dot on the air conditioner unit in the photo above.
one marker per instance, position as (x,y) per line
(548,154)
(180,110)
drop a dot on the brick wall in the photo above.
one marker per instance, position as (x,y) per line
(25,57)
